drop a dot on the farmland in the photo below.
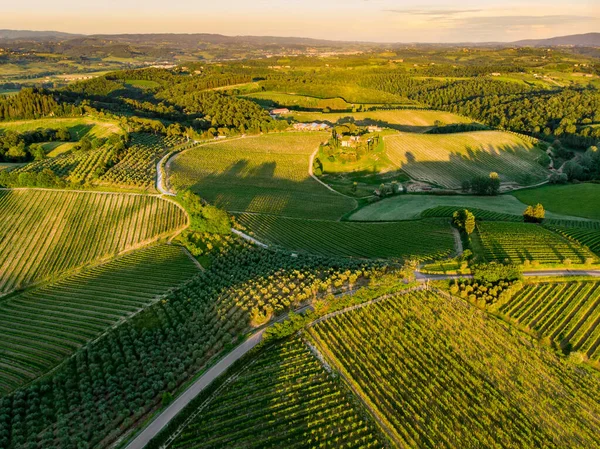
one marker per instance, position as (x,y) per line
(411,239)
(567,200)
(45,233)
(272,99)
(588,237)
(410,207)
(520,242)
(449,159)
(440,373)
(285,398)
(566,313)
(138,167)
(77,127)
(42,326)
(267,174)
(409,120)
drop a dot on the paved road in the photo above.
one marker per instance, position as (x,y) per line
(194,390)
(159,176)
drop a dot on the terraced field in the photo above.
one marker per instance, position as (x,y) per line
(42,326)
(567,313)
(285,399)
(424,239)
(449,159)
(518,242)
(267,174)
(45,233)
(441,374)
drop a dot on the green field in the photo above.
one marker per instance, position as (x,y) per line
(284,399)
(144,84)
(45,233)
(449,159)
(267,174)
(409,120)
(410,239)
(78,127)
(518,242)
(440,373)
(273,99)
(567,313)
(43,326)
(588,237)
(581,200)
(410,207)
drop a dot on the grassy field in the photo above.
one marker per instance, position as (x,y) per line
(573,199)
(449,159)
(518,242)
(143,84)
(285,399)
(440,373)
(45,233)
(410,207)
(266,174)
(409,120)
(566,313)
(42,326)
(273,99)
(417,239)
(78,127)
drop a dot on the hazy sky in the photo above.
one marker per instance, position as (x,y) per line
(366,20)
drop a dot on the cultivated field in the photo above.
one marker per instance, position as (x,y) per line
(267,174)
(567,313)
(410,120)
(78,127)
(45,233)
(518,242)
(271,99)
(410,207)
(588,237)
(582,200)
(285,398)
(449,159)
(138,167)
(410,239)
(441,374)
(42,326)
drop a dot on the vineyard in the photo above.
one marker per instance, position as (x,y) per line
(586,236)
(138,167)
(45,233)
(439,373)
(410,239)
(520,242)
(480,214)
(42,326)
(449,159)
(567,313)
(266,174)
(100,392)
(285,398)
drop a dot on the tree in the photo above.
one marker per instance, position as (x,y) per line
(534,214)
(464,221)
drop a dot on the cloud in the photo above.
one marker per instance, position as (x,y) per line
(432,12)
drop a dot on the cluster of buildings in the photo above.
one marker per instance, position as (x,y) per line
(311,127)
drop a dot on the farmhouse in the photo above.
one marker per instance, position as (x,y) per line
(374,129)
(311,126)
(280,111)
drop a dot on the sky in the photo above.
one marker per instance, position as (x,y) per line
(355,20)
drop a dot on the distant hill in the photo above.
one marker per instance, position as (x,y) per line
(34,35)
(574,40)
